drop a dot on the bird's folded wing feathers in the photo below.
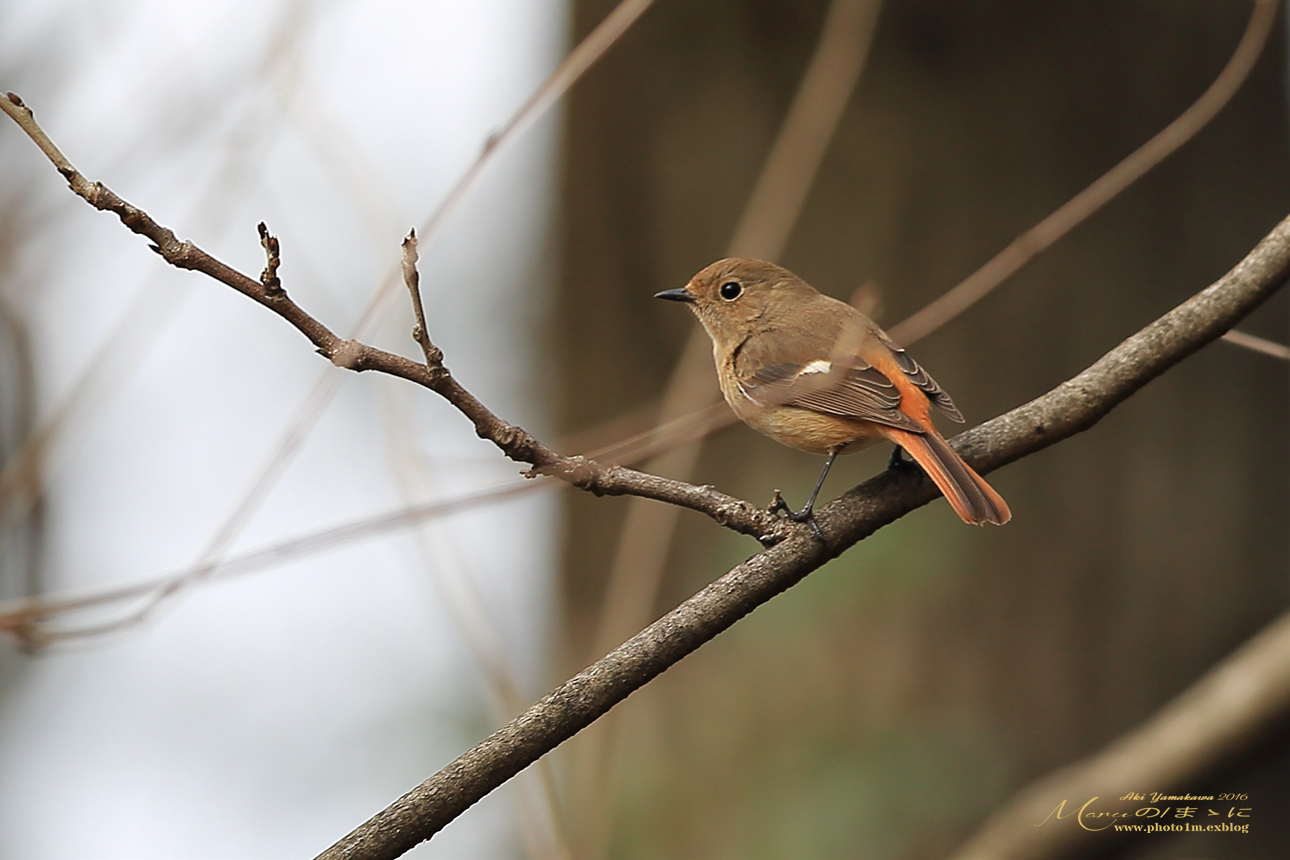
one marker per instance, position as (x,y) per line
(922,379)
(852,390)
(770,374)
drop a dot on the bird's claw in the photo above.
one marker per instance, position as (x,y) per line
(898,460)
(805,515)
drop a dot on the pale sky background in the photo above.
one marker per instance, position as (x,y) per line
(267,715)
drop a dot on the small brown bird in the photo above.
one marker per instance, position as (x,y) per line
(814,373)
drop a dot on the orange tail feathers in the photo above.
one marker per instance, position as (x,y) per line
(969,495)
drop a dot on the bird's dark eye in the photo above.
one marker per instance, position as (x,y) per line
(730,290)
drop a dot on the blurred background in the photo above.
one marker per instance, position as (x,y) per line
(882,708)
(265,716)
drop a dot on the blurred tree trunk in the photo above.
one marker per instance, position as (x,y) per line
(892,700)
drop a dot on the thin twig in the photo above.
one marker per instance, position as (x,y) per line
(23,614)
(1070,408)
(515,442)
(574,66)
(1219,716)
(150,309)
(273,259)
(582,58)
(17,614)
(412,278)
(20,404)
(1258,344)
(798,151)
(1075,211)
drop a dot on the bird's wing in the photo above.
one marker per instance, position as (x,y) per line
(920,377)
(770,374)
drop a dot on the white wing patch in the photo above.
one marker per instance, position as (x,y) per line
(781,379)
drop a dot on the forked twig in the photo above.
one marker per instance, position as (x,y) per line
(582,58)
(412,278)
(514,441)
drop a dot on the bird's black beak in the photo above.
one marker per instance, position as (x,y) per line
(677,295)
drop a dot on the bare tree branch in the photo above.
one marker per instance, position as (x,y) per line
(412,278)
(588,51)
(1107,187)
(514,441)
(22,616)
(1258,344)
(1218,716)
(1068,409)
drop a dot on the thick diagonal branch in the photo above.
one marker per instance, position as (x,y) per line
(1068,409)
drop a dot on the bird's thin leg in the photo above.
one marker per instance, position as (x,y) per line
(808,511)
(898,460)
